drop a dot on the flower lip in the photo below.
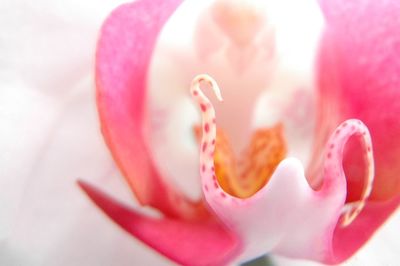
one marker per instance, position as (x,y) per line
(336,145)
(288,182)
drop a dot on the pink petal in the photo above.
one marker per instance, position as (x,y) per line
(123,54)
(204,242)
(287,216)
(362,77)
(359,77)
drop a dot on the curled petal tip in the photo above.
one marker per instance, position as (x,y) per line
(196,90)
(333,164)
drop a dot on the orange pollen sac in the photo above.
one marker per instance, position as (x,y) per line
(247,174)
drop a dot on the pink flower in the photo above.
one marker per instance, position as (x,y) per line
(324,214)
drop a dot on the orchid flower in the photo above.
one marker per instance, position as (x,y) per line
(265,201)
(47,111)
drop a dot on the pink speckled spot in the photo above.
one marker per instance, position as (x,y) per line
(204,147)
(203,107)
(206,128)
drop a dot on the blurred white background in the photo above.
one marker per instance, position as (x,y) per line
(49,137)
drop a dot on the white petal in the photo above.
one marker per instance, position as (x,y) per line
(49,137)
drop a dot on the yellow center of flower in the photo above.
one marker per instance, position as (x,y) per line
(245,175)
